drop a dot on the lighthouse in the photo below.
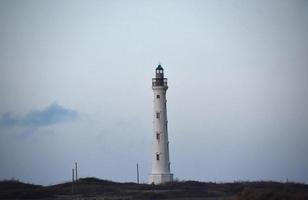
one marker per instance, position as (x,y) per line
(160,145)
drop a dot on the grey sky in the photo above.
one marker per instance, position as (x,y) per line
(237,98)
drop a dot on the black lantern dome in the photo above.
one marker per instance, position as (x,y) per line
(159,72)
(159,80)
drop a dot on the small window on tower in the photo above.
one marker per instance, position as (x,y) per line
(158,96)
(157,156)
(157,136)
(157,115)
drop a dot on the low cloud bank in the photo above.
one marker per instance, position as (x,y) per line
(53,114)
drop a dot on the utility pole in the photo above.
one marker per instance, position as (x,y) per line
(76,177)
(73,175)
(137,174)
(73,181)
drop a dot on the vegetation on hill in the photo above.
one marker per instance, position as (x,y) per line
(93,188)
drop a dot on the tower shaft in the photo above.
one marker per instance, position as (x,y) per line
(160,145)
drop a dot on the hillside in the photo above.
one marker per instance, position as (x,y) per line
(96,189)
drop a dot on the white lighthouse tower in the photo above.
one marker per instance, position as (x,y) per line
(160,153)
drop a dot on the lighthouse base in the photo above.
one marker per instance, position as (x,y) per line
(160,178)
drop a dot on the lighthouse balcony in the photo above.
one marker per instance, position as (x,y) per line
(157,82)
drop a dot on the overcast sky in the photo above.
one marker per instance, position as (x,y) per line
(75,85)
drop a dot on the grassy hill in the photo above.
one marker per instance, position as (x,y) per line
(96,189)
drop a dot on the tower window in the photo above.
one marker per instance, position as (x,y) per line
(157,136)
(157,115)
(157,156)
(158,96)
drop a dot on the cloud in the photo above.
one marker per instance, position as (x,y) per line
(53,114)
